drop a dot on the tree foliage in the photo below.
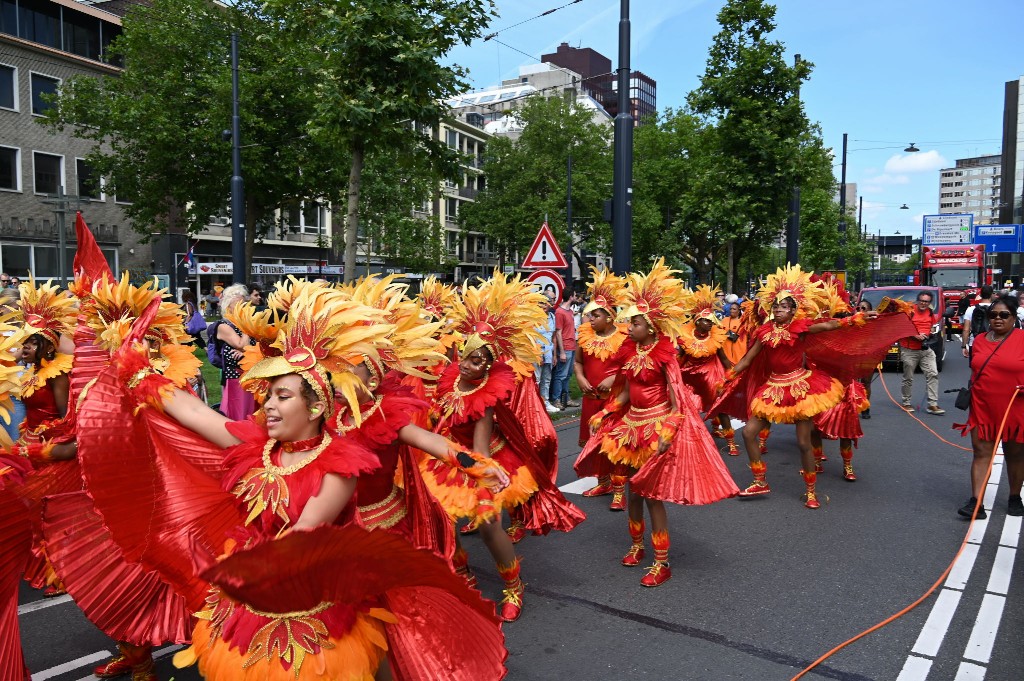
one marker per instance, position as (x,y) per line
(527,179)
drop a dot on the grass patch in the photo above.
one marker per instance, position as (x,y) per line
(211,375)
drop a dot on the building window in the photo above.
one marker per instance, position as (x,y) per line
(451,209)
(89,185)
(17,259)
(39,21)
(81,34)
(10,169)
(8,87)
(42,85)
(48,171)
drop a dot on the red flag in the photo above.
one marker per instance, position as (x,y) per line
(90,264)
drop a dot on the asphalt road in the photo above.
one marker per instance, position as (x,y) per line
(760,587)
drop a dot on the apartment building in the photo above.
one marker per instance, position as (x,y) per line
(972,185)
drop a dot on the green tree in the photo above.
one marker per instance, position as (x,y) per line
(379,79)
(159,123)
(527,179)
(747,159)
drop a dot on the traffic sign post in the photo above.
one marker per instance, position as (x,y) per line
(548,279)
(545,253)
(947,228)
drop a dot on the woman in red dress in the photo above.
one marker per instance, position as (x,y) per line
(995,394)
(651,426)
(702,358)
(472,406)
(248,513)
(596,372)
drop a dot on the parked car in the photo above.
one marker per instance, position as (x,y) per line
(874,295)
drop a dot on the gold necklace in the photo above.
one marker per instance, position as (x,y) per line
(342,428)
(463,393)
(269,466)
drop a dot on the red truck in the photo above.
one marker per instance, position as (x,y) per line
(958,270)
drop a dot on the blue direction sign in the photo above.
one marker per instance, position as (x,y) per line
(999,238)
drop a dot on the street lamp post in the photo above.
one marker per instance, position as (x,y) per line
(841,258)
(622,194)
(793,221)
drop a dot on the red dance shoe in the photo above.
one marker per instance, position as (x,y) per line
(734,449)
(512,604)
(657,574)
(53,592)
(516,531)
(116,666)
(467,529)
(618,502)
(599,490)
(848,473)
(634,555)
(756,488)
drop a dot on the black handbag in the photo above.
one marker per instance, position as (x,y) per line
(963,396)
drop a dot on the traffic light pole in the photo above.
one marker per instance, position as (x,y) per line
(622,191)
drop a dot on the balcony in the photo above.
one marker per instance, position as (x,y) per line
(217,229)
(468,192)
(31,228)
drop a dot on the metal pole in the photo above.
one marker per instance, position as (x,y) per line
(239,274)
(570,284)
(860,234)
(841,259)
(622,193)
(793,221)
(62,239)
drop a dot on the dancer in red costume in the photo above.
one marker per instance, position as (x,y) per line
(795,389)
(702,358)
(291,596)
(651,425)
(498,321)
(597,370)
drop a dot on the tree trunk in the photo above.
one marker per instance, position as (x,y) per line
(355,178)
(731,264)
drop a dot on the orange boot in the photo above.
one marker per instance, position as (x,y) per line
(511,605)
(618,493)
(762,440)
(460,561)
(636,550)
(134,660)
(847,454)
(760,484)
(819,456)
(660,572)
(603,487)
(730,441)
(812,498)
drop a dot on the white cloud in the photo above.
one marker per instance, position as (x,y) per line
(878,183)
(918,162)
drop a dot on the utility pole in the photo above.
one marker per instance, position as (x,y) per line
(622,191)
(239,275)
(860,234)
(62,205)
(841,259)
(570,284)
(793,221)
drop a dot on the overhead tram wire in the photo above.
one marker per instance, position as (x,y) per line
(491,36)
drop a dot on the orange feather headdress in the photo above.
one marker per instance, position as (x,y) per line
(792,282)
(47,310)
(659,298)
(114,307)
(703,304)
(606,291)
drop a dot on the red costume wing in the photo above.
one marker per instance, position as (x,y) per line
(431,526)
(15,540)
(547,509)
(126,601)
(853,352)
(528,407)
(151,496)
(445,630)
(90,265)
(691,472)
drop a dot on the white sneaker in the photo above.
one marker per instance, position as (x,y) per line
(552,409)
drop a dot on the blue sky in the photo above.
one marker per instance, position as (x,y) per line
(886,72)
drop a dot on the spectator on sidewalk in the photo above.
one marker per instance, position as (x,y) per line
(543,369)
(565,347)
(914,353)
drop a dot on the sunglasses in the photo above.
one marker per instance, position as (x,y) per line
(999,314)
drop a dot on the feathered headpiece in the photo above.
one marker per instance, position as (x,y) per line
(837,298)
(324,335)
(47,310)
(659,298)
(414,344)
(437,298)
(503,315)
(11,338)
(702,304)
(792,282)
(607,291)
(115,307)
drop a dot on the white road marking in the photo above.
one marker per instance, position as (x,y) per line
(578,486)
(71,666)
(983,636)
(42,604)
(961,571)
(970,672)
(1002,569)
(1011,531)
(915,669)
(935,627)
(157,654)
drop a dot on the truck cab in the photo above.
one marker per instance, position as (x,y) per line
(959,271)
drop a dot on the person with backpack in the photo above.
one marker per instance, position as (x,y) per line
(975,319)
(229,343)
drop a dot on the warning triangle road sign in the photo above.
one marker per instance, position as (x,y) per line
(545,251)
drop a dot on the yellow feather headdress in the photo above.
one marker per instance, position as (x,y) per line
(503,314)
(115,306)
(11,337)
(323,336)
(659,297)
(437,298)
(792,282)
(47,310)
(703,304)
(607,291)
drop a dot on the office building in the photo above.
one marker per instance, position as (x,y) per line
(973,186)
(601,82)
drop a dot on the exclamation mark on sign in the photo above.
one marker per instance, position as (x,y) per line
(543,250)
